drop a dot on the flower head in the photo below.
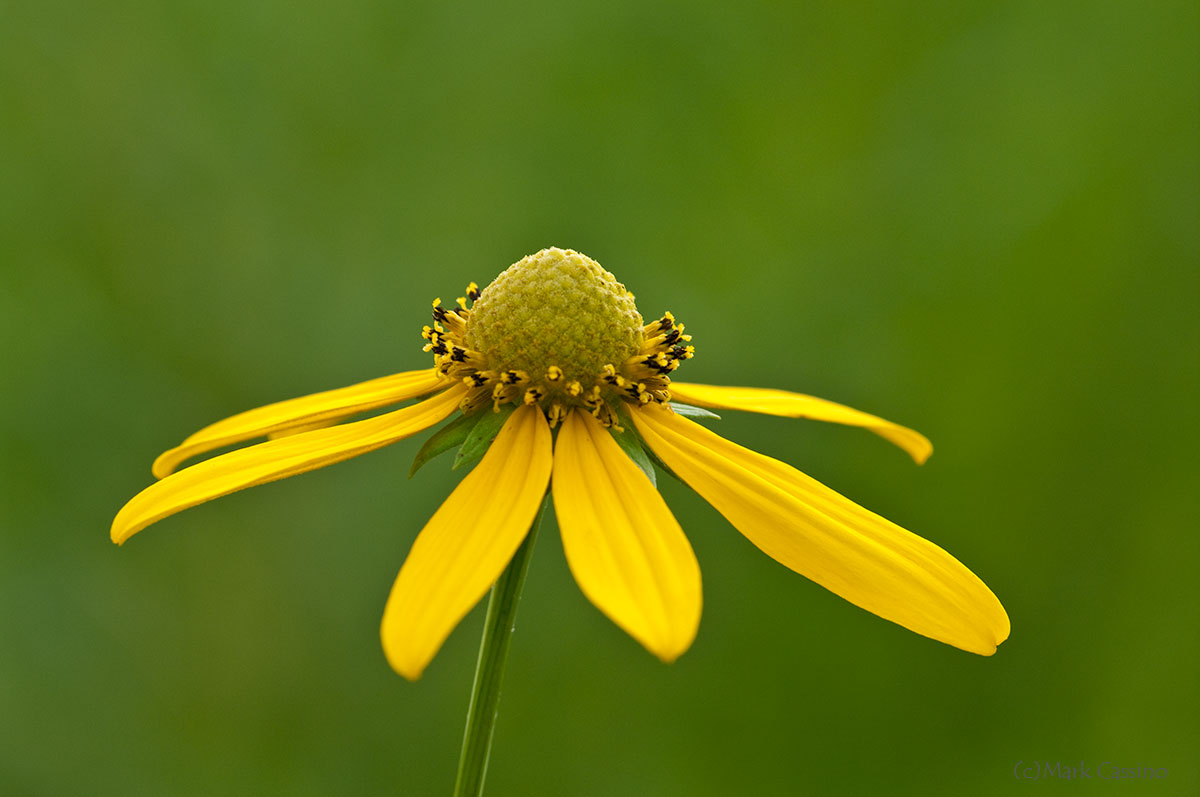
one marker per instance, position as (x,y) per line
(552,372)
(557,331)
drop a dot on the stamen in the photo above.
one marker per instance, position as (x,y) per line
(593,400)
(473,401)
(514,377)
(439,312)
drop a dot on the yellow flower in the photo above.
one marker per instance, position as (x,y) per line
(556,342)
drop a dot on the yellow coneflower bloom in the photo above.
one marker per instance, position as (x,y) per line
(556,343)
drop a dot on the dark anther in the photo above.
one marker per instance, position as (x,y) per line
(459,355)
(671,337)
(473,294)
(439,313)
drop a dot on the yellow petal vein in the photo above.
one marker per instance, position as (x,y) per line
(625,548)
(804,525)
(798,405)
(277,459)
(467,543)
(314,412)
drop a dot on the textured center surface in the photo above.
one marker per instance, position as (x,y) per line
(555,307)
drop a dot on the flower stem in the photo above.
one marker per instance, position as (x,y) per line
(489,670)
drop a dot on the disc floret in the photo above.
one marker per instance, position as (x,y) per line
(556,330)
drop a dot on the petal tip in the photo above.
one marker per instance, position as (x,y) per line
(669,649)
(918,446)
(120,531)
(989,639)
(671,654)
(412,668)
(162,466)
(991,649)
(411,674)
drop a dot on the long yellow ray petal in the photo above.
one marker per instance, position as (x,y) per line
(315,411)
(625,548)
(818,533)
(798,405)
(277,459)
(467,543)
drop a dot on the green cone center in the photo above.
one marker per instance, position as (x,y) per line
(555,308)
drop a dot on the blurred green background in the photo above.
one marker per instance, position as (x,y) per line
(977,219)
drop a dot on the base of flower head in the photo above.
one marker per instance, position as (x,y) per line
(640,379)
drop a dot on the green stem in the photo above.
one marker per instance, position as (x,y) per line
(489,670)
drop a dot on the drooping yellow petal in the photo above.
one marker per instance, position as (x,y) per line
(306,427)
(625,548)
(797,405)
(813,530)
(467,543)
(277,459)
(315,411)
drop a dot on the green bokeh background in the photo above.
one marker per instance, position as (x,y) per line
(977,219)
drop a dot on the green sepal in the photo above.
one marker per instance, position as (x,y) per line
(631,444)
(658,463)
(688,411)
(480,438)
(647,451)
(449,436)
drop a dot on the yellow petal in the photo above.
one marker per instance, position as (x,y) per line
(306,427)
(625,548)
(315,411)
(797,405)
(467,543)
(813,530)
(277,459)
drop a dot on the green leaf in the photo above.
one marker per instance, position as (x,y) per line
(688,411)
(449,436)
(481,435)
(631,444)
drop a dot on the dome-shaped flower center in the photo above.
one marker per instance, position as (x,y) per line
(556,307)
(557,330)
